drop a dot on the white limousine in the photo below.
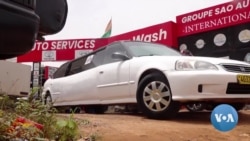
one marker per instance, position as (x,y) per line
(152,76)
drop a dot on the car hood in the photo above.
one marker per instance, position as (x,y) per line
(212,60)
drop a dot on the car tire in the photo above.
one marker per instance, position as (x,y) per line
(158,104)
(48,100)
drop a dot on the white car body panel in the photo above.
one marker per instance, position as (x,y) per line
(77,91)
(214,85)
(113,80)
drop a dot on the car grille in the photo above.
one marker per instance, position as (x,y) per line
(236,88)
(236,68)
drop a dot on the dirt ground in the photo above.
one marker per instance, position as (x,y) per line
(186,126)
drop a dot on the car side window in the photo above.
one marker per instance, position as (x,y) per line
(94,60)
(99,57)
(61,71)
(88,62)
(76,66)
(112,49)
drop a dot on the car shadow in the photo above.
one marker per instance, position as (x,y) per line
(204,117)
(195,117)
(244,118)
(187,117)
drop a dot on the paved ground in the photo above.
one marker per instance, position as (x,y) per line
(185,127)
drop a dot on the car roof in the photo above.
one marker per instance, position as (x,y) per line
(105,46)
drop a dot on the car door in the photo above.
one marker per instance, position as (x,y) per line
(79,85)
(55,84)
(113,75)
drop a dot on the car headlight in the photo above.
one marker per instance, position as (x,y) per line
(194,65)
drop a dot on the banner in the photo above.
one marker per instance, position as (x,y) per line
(220,16)
(62,50)
(164,33)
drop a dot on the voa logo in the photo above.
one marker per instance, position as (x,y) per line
(224,117)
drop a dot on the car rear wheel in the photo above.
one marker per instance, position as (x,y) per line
(48,100)
(155,99)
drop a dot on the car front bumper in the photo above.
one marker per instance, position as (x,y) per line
(215,86)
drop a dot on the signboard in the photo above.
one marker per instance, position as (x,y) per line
(36,74)
(164,33)
(61,50)
(220,16)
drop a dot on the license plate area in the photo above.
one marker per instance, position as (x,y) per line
(243,79)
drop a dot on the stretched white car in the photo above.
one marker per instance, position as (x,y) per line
(153,76)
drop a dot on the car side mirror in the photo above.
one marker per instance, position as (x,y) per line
(120,56)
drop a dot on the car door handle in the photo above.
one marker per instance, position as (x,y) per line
(101,72)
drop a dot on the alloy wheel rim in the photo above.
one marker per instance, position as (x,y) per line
(156,96)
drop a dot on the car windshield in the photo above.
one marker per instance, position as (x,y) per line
(150,49)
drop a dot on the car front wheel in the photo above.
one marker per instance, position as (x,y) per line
(155,99)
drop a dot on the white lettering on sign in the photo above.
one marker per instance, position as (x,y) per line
(197,16)
(41,46)
(242,4)
(222,9)
(64,45)
(153,37)
(235,18)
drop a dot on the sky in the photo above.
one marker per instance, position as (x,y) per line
(89,18)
